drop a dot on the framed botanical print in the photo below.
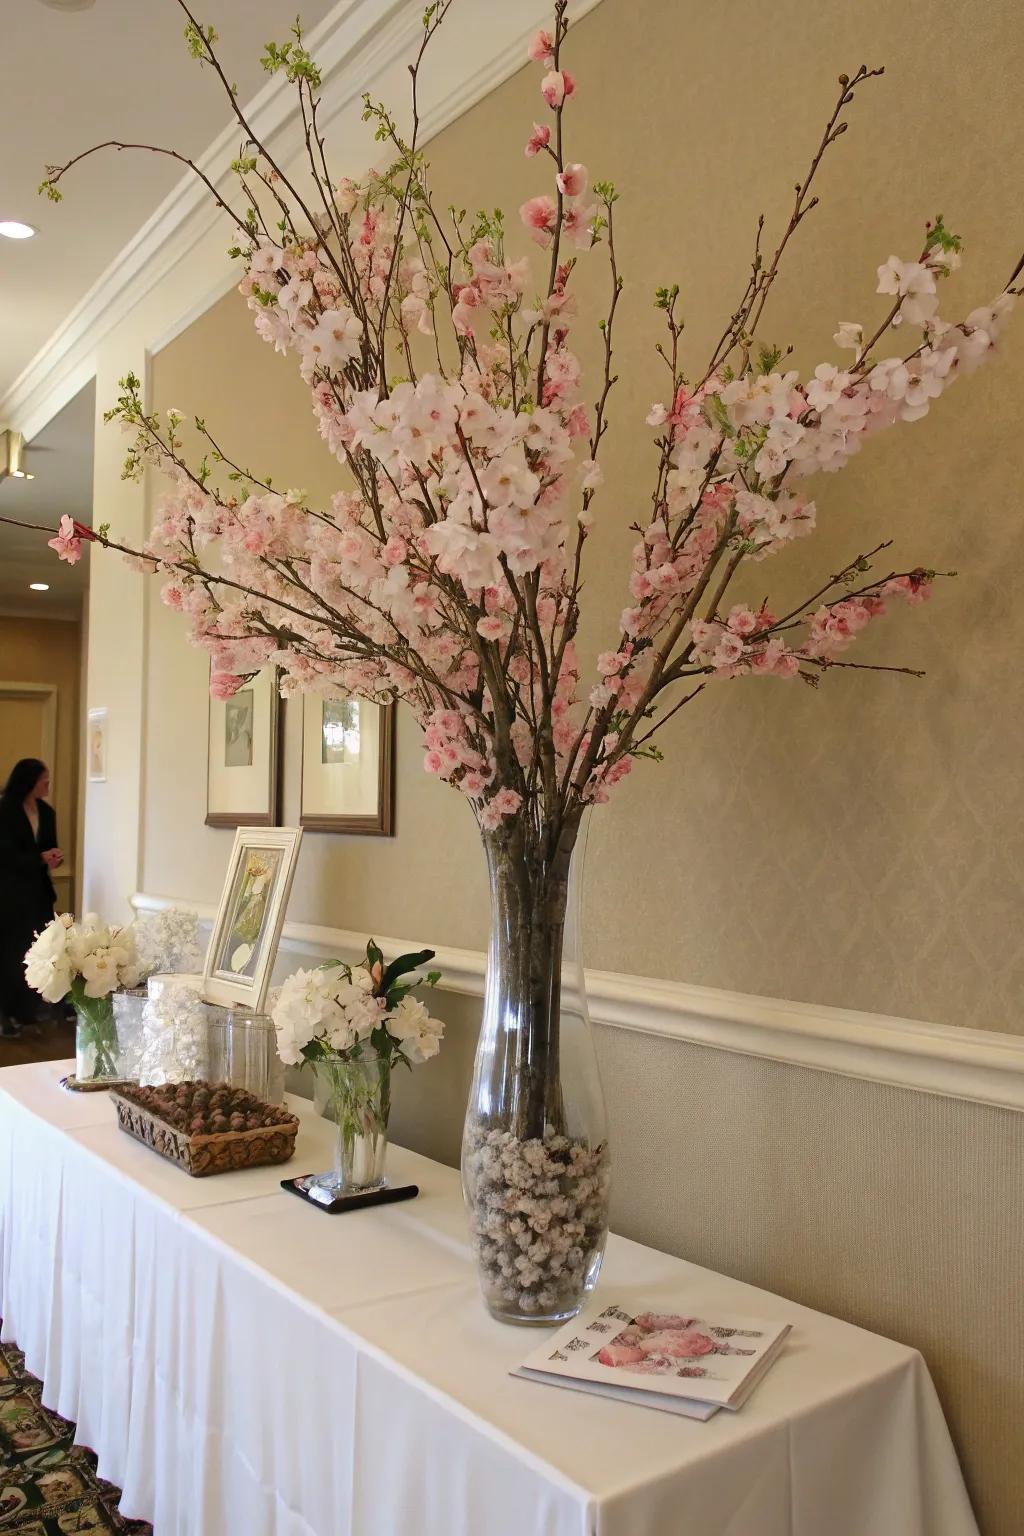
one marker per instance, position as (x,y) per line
(243,944)
(348,780)
(242,786)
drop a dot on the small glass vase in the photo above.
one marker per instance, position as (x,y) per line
(535,1168)
(97,1049)
(356,1094)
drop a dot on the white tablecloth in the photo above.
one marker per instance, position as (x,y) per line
(247,1366)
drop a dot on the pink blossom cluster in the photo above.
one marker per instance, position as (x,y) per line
(68,541)
(747,642)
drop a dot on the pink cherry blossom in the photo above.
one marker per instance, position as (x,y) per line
(849,334)
(541,49)
(572,181)
(68,542)
(224,684)
(576,225)
(556,87)
(540,215)
(826,387)
(539,139)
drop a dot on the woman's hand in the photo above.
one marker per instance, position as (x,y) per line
(53,858)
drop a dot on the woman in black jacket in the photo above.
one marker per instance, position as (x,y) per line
(28,852)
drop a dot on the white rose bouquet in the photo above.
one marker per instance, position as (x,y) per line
(89,960)
(353,1024)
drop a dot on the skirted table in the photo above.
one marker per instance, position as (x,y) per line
(245,1365)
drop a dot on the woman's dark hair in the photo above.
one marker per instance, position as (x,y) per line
(23,779)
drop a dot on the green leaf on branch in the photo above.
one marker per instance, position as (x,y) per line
(200,40)
(403,965)
(939,235)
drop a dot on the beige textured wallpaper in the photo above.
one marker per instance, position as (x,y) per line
(859,846)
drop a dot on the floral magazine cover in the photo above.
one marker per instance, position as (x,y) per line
(714,1359)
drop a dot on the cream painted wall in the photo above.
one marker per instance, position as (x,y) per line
(49,651)
(857,847)
(115,661)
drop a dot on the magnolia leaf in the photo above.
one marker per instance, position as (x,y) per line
(403,965)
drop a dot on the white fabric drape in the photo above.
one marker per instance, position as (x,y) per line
(246,1366)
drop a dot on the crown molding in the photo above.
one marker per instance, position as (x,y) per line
(975,1065)
(359,45)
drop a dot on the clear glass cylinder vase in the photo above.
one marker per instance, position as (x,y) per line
(535,1167)
(97,1049)
(356,1094)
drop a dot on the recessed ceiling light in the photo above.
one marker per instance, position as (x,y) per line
(39,586)
(11,229)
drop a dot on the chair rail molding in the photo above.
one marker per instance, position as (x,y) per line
(970,1064)
(361,45)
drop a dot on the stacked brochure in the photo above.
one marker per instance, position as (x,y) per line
(677,1361)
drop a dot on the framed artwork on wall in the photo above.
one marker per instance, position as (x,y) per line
(96,746)
(242,785)
(348,779)
(243,944)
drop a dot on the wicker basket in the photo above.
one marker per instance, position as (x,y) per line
(201,1154)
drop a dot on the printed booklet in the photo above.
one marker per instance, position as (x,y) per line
(677,1361)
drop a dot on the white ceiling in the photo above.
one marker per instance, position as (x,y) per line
(72,79)
(119,69)
(60,459)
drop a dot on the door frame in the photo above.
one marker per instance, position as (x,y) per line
(48,693)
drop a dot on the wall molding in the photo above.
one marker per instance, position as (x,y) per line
(358,45)
(978,1066)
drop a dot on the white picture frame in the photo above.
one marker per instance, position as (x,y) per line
(96,746)
(247,929)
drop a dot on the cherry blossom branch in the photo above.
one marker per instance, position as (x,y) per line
(680,704)
(826,663)
(55,173)
(561,27)
(758,288)
(201,41)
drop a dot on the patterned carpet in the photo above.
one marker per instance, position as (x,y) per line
(48,1485)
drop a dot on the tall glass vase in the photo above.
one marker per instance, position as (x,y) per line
(97,1050)
(356,1095)
(535,1166)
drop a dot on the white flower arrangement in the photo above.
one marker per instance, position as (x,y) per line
(346,1012)
(92,959)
